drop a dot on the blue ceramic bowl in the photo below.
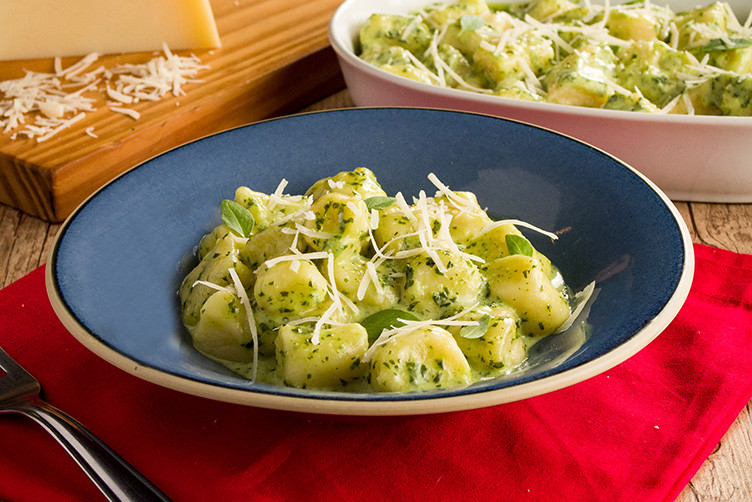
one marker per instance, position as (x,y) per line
(118,260)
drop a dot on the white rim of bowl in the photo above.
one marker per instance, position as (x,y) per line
(413,404)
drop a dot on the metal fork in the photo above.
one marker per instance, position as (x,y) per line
(116,478)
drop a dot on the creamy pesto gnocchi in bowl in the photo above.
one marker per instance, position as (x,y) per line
(653,83)
(348,288)
(383,261)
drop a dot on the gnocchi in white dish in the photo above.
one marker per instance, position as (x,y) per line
(669,148)
(348,288)
(636,56)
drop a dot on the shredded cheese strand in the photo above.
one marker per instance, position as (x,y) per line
(519,223)
(410,325)
(240,291)
(315,255)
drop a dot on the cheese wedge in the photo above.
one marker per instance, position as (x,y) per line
(33,29)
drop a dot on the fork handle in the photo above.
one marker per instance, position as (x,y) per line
(115,477)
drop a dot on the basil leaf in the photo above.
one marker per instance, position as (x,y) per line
(517,244)
(471,332)
(378,202)
(385,319)
(470,23)
(720,44)
(237,218)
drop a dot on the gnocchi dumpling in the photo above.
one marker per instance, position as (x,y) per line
(339,222)
(521,281)
(467,217)
(492,244)
(287,291)
(212,269)
(424,358)
(501,348)
(333,361)
(350,267)
(360,183)
(274,240)
(440,285)
(222,331)
(266,209)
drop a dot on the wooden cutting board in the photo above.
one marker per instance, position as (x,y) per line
(275,59)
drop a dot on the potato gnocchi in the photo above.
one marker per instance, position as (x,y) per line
(636,56)
(347,288)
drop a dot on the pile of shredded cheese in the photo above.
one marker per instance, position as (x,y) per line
(40,105)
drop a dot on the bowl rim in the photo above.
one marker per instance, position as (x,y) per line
(361,405)
(342,39)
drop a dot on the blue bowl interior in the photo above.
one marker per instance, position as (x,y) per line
(120,259)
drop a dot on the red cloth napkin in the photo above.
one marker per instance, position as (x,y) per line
(637,432)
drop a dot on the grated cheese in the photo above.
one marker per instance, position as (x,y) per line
(460,202)
(119,96)
(352,207)
(126,111)
(519,223)
(410,326)
(688,104)
(275,198)
(52,109)
(670,105)
(316,255)
(371,270)
(333,291)
(79,66)
(28,103)
(324,319)
(308,232)
(353,308)
(581,299)
(54,126)
(409,28)
(433,50)
(241,293)
(335,185)
(212,286)
(402,203)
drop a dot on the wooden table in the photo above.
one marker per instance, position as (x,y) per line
(726,475)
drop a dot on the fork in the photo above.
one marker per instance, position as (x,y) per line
(115,478)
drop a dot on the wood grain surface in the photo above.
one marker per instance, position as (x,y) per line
(275,58)
(725,476)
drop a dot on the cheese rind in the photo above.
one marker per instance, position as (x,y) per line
(34,29)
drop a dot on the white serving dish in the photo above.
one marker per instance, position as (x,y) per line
(691,158)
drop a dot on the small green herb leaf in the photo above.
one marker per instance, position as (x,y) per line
(720,44)
(385,319)
(378,202)
(237,218)
(477,331)
(471,23)
(516,244)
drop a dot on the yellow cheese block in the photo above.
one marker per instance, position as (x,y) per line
(33,29)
